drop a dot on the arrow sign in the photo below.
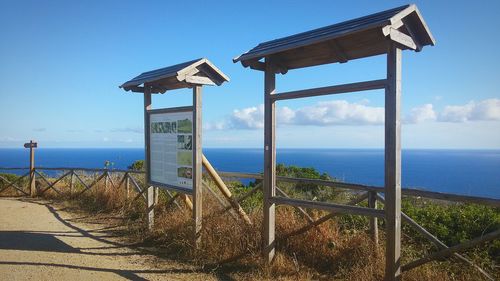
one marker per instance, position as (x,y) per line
(30,144)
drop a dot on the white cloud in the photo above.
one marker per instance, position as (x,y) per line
(342,112)
(420,114)
(485,110)
(247,118)
(339,112)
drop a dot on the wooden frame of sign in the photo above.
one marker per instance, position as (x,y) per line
(192,74)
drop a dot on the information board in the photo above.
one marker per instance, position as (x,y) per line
(171,148)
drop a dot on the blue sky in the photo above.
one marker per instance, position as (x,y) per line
(61,63)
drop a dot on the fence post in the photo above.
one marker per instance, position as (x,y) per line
(127,184)
(372,203)
(106,181)
(32,185)
(72,182)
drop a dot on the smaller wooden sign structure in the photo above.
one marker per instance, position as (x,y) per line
(173,150)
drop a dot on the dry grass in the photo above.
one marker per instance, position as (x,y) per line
(230,246)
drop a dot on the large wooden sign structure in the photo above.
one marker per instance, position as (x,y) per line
(173,152)
(388,32)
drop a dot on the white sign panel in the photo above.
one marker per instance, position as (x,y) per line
(171,148)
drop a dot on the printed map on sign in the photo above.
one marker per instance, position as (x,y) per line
(171,148)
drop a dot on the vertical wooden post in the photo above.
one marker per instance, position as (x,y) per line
(197,164)
(269,184)
(32,169)
(106,181)
(372,203)
(150,189)
(393,163)
(127,185)
(72,182)
(157,194)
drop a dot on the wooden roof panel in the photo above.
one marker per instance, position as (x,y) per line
(177,76)
(346,34)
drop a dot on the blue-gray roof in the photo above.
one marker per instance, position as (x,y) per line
(341,32)
(174,77)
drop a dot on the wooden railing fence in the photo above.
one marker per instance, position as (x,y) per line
(128,178)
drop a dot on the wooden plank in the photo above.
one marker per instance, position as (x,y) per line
(437,242)
(147,153)
(406,191)
(325,218)
(242,198)
(199,80)
(327,206)
(300,209)
(197,165)
(332,90)
(269,182)
(372,203)
(32,184)
(52,185)
(13,184)
(91,185)
(399,37)
(137,187)
(220,200)
(225,191)
(451,250)
(81,181)
(392,175)
(72,182)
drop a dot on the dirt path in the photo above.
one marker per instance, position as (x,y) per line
(41,242)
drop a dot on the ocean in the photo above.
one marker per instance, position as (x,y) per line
(467,172)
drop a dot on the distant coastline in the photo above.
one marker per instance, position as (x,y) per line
(460,171)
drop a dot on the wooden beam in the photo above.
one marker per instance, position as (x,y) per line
(32,184)
(199,80)
(392,177)
(372,203)
(438,242)
(225,191)
(451,250)
(338,52)
(331,90)
(147,153)
(399,37)
(197,165)
(325,218)
(327,206)
(269,182)
(351,186)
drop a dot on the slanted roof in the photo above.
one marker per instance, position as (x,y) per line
(353,39)
(183,75)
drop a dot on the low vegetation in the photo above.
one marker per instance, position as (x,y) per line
(339,249)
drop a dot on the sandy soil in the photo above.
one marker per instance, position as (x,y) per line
(39,241)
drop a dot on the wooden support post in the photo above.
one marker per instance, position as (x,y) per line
(106,181)
(197,165)
(225,191)
(72,182)
(393,163)
(150,189)
(32,169)
(157,195)
(127,185)
(372,203)
(269,183)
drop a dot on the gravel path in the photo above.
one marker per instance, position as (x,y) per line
(41,242)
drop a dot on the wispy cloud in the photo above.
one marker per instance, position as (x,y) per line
(128,130)
(40,129)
